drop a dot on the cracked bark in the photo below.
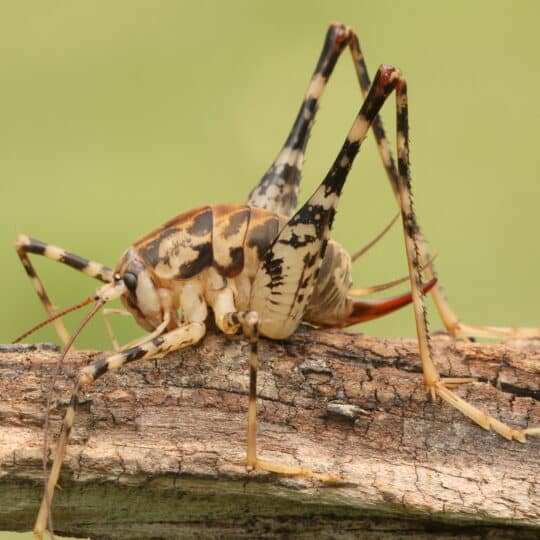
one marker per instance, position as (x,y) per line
(157,450)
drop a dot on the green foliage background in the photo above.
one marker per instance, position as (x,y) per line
(115,116)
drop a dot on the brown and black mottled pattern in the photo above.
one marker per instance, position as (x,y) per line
(209,236)
(286,176)
(261,235)
(230,225)
(236,221)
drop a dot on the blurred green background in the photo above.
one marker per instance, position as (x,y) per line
(115,116)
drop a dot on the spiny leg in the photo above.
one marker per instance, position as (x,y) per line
(286,277)
(435,385)
(277,190)
(449,318)
(25,245)
(184,336)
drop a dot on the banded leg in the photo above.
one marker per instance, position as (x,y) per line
(278,189)
(450,319)
(25,245)
(435,385)
(139,341)
(182,337)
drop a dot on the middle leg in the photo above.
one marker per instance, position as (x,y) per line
(229,321)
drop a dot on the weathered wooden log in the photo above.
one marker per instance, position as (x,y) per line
(158,447)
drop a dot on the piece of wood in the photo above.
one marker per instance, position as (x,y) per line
(157,447)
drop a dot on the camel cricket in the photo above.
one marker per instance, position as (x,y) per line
(264,267)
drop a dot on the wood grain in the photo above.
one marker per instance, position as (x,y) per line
(157,447)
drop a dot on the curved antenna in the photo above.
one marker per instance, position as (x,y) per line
(370,244)
(89,300)
(364,291)
(93,311)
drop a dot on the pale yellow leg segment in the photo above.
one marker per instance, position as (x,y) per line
(139,341)
(434,384)
(108,325)
(248,321)
(179,338)
(451,321)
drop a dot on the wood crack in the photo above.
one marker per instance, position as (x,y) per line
(160,451)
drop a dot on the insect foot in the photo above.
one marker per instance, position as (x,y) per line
(284,470)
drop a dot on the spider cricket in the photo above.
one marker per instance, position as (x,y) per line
(263,267)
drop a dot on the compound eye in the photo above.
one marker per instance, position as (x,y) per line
(131,281)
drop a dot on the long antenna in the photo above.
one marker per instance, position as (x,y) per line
(52,318)
(371,243)
(84,322)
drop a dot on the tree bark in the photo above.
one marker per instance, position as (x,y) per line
(157,447)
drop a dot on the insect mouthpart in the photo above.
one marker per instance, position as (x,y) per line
(139,291)
(110,291)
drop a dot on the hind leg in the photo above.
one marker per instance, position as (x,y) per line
(182,337)
(450,319)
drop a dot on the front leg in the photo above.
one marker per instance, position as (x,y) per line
(26,245)
(180,338)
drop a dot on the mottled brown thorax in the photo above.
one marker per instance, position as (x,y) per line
(228,237)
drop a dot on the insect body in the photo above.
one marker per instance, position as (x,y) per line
(263,267)
(211,255)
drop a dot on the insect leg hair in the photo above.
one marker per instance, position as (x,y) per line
(25,245)
(450,319)
(285,279)
(435,385)
(179,338)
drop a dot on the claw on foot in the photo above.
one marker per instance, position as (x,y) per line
(478,416)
